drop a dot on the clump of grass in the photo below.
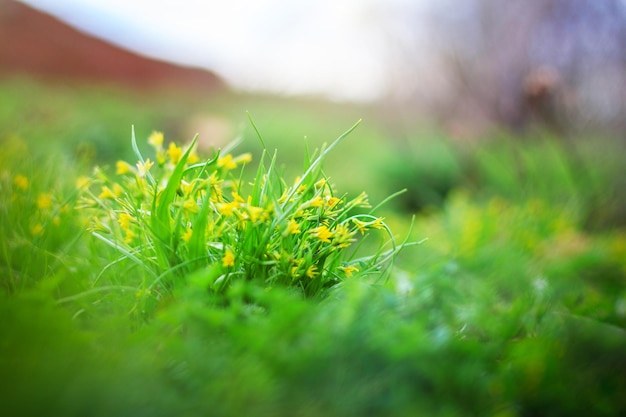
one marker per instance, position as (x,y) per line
(178,214)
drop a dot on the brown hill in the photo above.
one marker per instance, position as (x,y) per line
(37,44)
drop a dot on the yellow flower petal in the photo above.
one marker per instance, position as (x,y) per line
(312,272)
(144,167)
(37,229)
(123,167)
(332,201)
(44,201)
(175,153)
(293,227)
(106,192)
(321,233)
(186,237)
(156,139)
(125,220)
(191,206)
(193,158)
(348,270)
(228,259)
(82,182)
(226,162)
(244,158)
(20,181)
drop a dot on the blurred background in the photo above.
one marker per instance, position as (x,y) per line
(438,84)
(469,66)
(558,62)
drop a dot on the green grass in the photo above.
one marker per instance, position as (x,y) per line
(217,283)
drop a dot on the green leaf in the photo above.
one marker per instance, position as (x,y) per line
(161,207)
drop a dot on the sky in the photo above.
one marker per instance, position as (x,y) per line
(336,48)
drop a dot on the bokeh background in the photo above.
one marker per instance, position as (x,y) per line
(560,62)
(431,80)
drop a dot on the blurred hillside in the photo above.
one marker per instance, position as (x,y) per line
(33,43)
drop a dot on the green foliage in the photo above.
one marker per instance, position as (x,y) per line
(187,215)
(119,296)
(430,168)
(581,173)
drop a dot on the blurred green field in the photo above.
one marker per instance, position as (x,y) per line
(514,305)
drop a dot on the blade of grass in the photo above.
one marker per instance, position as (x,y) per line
(133,141)
(163,200)
(125,252)
(160,215)
(386,200)
(317,162)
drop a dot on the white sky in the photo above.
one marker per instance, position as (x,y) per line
(334,47)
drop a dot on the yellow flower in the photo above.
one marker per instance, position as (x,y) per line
(296,265)
(332,201)
(321,233)
(44,201)
(316,201)
(227,209)
(256,214)
(37,229)
(228,259)
(130,235)
(193,158)
(226,162)
(214,180)
(236,197)
(360,225)
(217,194)
(244,158)
(186,237)
(311,271)
(117,189)
(175,153)
(186,187)
(161,157)
(144,167)
(125,220)
(293,227)
(20,181)
(349,269)
(364,226)
(191,206)
(156,139)
(378,224)
(342,236)
(106,192)
(283,198)
(82,182)
(123,167)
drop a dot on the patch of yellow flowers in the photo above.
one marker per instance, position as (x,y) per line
(177,214)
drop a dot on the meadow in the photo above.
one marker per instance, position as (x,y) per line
(310,265)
